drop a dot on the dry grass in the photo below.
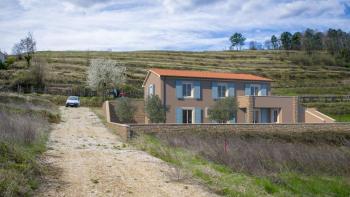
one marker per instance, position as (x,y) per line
(268,153)
(24,125)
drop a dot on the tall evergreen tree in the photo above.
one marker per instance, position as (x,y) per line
(286,40)
(296,41)
(274,42)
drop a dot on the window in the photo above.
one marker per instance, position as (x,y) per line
(222,90)
(151,90)
(274,114)
(254,90)
(187,116)
(187,89)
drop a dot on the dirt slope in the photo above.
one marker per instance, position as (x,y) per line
(92,161)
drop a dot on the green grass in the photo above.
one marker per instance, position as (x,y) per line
(341,118)
(222,180)
(20,171)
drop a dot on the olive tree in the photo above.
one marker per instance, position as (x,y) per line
(155,109)
(105,74)
(125,110)
(223,110)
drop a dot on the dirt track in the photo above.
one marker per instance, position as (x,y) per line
(92,161)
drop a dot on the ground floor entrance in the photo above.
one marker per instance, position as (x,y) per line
(266,115)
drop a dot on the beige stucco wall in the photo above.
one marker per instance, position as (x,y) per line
(286,105)
(165,88)
(206,100)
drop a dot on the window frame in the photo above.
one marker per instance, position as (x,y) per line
(226,89)
(192,114)
(258,86)
(149,88)
(185,83)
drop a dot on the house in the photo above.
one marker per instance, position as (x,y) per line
(188,95)
(2,57)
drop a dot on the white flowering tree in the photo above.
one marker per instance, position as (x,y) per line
(105,74)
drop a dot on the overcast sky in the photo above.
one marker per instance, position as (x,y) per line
(122,25)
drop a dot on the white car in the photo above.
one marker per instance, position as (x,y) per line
(73,101)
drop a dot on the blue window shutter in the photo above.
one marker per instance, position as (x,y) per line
(178,115)
(263,90)
(214,90)
(198,115)
(247,90)
(179,93)
(231,89)
(197,90)
(264,115)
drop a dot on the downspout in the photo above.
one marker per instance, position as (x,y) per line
(164,96)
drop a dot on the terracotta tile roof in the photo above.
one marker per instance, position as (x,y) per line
(206,74)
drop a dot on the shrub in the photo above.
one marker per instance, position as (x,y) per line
(124,110)
(301,59)
(10,60)
(3,66)
(155,109)
(223,110)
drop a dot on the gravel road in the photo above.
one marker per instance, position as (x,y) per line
(89,160)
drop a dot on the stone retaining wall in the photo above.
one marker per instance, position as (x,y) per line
(280,128)
(128,131)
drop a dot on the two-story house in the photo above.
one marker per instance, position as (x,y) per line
(188,95)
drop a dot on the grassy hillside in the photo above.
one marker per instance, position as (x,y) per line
(294,73)
(24,125)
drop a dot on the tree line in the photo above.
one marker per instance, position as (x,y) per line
(335,41)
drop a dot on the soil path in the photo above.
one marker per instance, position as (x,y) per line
(92,161)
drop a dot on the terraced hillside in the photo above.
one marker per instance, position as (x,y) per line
(294,73)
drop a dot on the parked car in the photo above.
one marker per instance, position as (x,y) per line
(73,101)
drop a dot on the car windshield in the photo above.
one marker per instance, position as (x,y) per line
(73,98)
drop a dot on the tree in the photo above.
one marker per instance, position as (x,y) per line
(318,41)
(296,41)
(155,109)
(286,40)
(237,40)
(274,42)
(105,74)
(124,110)
(253,45)
(26,47)
(223,110)
(39,72)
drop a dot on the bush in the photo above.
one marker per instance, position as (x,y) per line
(223,110)
(10,61)
(301,59)
(155,109)
(3,66)
(124,110)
